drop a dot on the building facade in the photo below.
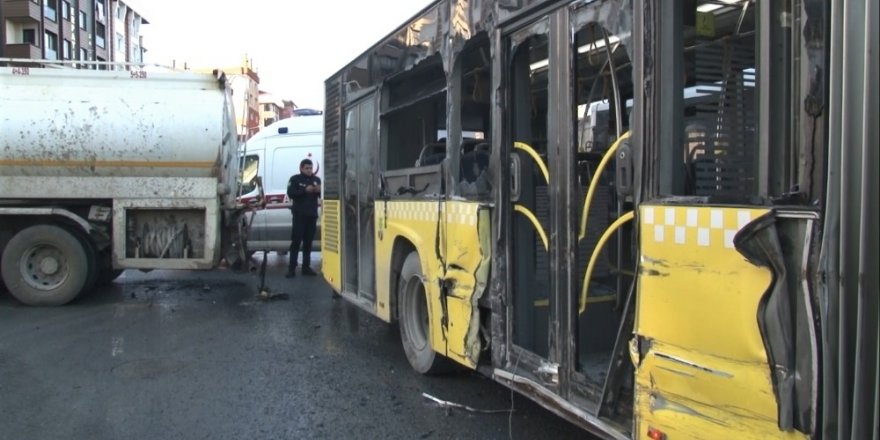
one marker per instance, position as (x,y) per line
(271,108)
(71,30)
(244,84)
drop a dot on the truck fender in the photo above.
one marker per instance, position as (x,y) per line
(57,212)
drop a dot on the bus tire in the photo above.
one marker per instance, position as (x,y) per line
(415,332)
(45,265)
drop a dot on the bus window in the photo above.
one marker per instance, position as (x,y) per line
(475,74)
(712,143)
(415,111)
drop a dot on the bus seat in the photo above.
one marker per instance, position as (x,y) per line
(432,154)
(468,160)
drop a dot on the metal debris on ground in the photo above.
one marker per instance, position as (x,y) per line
(265,295)
(447,404)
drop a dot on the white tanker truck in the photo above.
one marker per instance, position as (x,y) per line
(102,171)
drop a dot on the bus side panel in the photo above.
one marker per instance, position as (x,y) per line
(415,222)
(702,367)
(468,256)
(331,258)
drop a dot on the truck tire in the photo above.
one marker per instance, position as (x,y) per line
(91,258)
(414,323)
(45,265)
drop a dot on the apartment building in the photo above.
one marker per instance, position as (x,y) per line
(274,108)
(271,108)
(244,85)
(289,109)
(71,30)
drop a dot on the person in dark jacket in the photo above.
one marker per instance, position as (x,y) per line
(304,189)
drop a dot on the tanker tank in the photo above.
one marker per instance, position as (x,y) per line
(88,123)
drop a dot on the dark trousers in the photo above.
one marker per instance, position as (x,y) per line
(303,232)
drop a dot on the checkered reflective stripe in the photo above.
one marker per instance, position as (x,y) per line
(413,211)
(462,213)
(454,212)
(705,227)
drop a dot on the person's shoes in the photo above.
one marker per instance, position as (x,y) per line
(308,271)
(290,274)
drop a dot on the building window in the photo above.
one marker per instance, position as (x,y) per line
(100,32)
(82,20)
(83,55)
(50,9)
(268,121)
(136,54)
(120,12)
(29,36)
(65,10)
(99,10)
(66,49)
(51,46)
(267,107)
(120,42)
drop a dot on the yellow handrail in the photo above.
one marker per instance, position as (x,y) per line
(605,236)
(595,182)
(529,215)
(537,158)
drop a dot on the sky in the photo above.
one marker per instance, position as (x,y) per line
(294,44)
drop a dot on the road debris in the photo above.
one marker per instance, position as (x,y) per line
(447,404)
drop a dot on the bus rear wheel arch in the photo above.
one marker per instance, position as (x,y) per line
(414,319)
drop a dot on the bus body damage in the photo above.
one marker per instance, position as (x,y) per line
(468,257)
(696,325)
(477,135)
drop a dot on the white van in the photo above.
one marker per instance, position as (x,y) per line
(275,153)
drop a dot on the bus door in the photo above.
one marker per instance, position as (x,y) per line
(529,210)
(601,201)
(359,168)
(563,202)
(725,343)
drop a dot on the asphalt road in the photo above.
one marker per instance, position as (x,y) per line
(195,355)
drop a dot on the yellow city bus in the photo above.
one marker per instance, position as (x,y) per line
(655,218)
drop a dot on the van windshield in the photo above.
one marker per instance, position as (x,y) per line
(250,164)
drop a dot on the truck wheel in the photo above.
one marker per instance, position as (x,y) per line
(414,319)
(92,259)
(44,265)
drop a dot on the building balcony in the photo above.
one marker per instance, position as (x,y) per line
(22,11)
(23,50)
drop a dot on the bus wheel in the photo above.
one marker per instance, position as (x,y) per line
(414,326)
(45,265)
